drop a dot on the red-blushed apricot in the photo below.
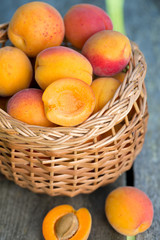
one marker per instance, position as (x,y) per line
(68,101)
(27,106)
(61,62)
(64,222)
(104,89)
(36,26)
(84,20)
(108,51)
(129,210)
(15,71)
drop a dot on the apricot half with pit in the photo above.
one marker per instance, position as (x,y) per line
(64,222)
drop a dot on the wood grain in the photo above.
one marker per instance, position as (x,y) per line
(147,164)
(22,211)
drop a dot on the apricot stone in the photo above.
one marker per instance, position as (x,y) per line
(61,62)
(84,20)
(129,210)
(15,71)
(108,51)
(68,101)
(36,26)
(27,106)
(104,89)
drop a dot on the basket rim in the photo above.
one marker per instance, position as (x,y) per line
(115,110)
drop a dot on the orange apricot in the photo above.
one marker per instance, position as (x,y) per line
(104,89)
(61,62)
(64,222)
(84,20)
(108,51)
(27,106)
(68,101)
(36,26)
(120,76)
(129,210)
(15,71)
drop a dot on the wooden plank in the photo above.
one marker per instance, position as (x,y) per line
(147,166)
(22,211)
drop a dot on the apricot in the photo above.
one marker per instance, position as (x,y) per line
(104,89)
(15,71)
(36,26)
(61,62)
(68,101)
(129,210)
(120,76)
(84,20)
(27,106)
(64,222)
(108,51)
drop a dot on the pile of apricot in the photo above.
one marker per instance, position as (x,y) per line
(73,80)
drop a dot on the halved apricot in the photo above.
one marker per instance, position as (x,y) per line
(64,222)
(68,101)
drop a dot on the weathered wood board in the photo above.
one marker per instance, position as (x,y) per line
(22,211)
(142,24)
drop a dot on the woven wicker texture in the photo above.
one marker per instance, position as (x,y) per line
(73,160)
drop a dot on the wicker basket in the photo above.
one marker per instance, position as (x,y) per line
(73,160)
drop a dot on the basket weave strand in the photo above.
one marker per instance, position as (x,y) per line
(73,160)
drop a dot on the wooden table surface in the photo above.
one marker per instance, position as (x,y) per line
(22,212)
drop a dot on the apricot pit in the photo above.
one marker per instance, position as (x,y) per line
(66,226)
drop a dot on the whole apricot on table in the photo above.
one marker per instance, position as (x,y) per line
(15,71)
(84,20)
(108,52)
(27,106)
(61,62)
(36,26)
(104,89)
(68,101)
(64,222)
(129,210)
